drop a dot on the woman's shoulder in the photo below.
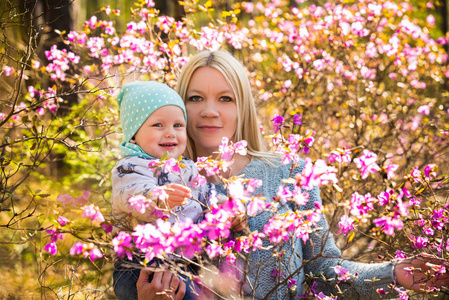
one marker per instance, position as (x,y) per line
(272,166)
(274,163)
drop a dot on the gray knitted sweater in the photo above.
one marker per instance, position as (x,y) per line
(321,250)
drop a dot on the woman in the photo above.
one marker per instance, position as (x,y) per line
(218,100)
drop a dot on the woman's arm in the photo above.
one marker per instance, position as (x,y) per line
(324,254)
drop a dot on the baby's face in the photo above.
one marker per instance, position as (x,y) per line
(163,131)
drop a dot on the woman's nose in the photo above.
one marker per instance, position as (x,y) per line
(209,110)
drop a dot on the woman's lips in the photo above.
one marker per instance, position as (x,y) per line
(210,128)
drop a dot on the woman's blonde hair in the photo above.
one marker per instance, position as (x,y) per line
(247,126)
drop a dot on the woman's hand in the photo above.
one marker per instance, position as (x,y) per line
(164,285)
(239,222)
(177,194)
(421,272)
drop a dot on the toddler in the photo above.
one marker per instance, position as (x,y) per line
(153,119)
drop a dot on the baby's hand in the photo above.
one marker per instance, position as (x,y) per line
(177,194)
(239,222)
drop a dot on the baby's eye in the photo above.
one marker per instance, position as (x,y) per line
(195,98)
(157,125)
(226,99)
(179,125)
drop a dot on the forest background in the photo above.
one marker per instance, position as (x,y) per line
(364,75)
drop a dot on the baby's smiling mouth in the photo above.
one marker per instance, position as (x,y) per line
(168,145)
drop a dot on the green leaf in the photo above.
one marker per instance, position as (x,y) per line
(164,156)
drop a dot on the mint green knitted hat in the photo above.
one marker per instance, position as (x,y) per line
(137,101)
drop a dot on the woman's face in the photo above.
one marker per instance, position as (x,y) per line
(211,110)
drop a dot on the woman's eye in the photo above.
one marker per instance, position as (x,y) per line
(195,98)
(226,99)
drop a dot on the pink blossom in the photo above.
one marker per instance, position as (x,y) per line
(51,248)
(415,201)
(388,224)
(214,250)
(403,294)
(420,242)
(400,254)
(430,171)
(82,200)
(77,248)
(424,109)
(297,119)
(55,235)
(171,165)
(256,205)
(242,245)
(346,224)
(342,273)
(438,269)
(368,73)
(226,151)
(276,273)
(299,197)
(210,166)
(252,184)
(284,193)
(107,227)
(367,163)
(319,64)
(430,20)
(381,291)
(428,231)
(122,245)
(198,180)
(240,147)
(218,223)
(384,197)
(107,10)
(393,76)
(249,6)
(391,169)
(150,3)
(67,200)
(32,91)
(95,253)
(160,194)
(322,296)
(8,70)
(93,212)
(291,283)
(277,123)
(63,221)
(360,205)
(287,84)
(35,64)
(308,141)
(138,203)
(342,156)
